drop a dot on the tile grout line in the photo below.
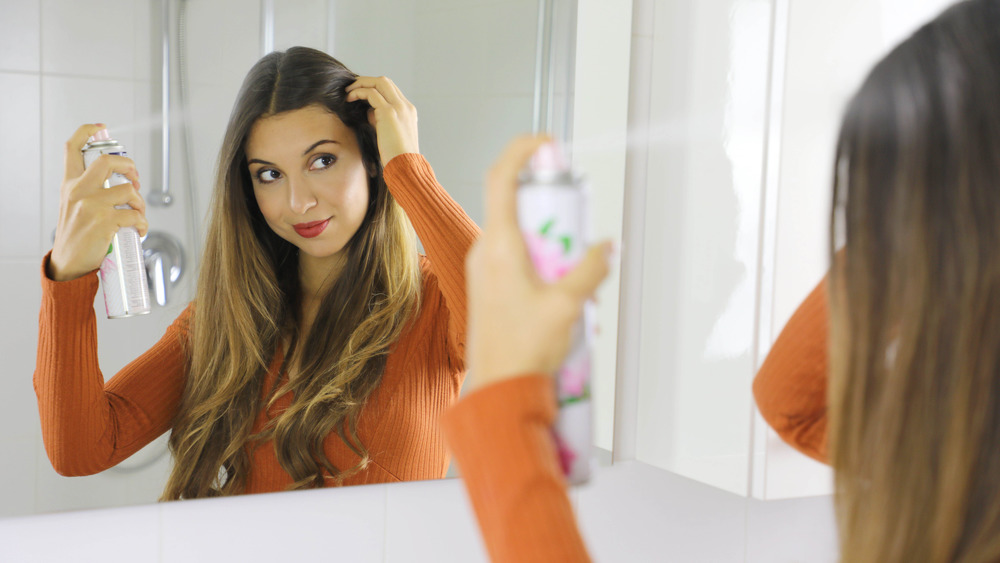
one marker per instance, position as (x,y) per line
(385,525)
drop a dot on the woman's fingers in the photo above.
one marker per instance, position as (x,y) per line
(74,146)
(106,165)
(386,87)
(374,98)
(126,194)
(582,281)
(131,218)
(502,182)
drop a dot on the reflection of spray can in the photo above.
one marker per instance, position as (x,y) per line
(123,274)
(552,213)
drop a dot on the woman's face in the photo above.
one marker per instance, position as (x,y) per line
(309,179)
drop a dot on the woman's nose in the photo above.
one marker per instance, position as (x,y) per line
(300,198)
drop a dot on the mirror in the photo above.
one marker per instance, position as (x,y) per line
(469,68)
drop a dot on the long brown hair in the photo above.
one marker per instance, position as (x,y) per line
(915,297)
(248,301)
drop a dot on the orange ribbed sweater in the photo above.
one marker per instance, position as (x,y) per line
(89,426)
(501,440)
(790,387)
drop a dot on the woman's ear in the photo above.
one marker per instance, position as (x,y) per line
(372,169)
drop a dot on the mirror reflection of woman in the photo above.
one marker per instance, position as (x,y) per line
(910,416)
(320,348)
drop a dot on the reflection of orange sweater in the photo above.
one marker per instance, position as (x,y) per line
(790,387)
(89,426)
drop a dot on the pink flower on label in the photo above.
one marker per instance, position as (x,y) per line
(548,256)
(566,455)
(574,375)
(108,267)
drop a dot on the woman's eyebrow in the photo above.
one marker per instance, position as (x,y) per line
(307,151)
(318,143)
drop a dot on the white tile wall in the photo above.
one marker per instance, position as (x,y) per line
(450,50)
(222,41)
(19,36)
(18,408)
(19,157)
(506,64)
(17,471)
(72,63)
(95,38)
(301,22)
(375,38)
(67,103)
(20,288)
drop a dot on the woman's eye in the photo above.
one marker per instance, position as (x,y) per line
(323,161)
(268,175)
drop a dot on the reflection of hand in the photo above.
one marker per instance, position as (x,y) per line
(392,115)
(88,219)
(518,324)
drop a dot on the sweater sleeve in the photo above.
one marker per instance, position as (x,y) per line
(446,232)
(502,441)
(790,387)
(87,425)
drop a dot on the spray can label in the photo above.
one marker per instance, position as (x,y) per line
(122,272)
(552,215)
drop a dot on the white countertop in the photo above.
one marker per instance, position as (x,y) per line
(629,512)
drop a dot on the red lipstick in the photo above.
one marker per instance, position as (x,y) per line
(310,230)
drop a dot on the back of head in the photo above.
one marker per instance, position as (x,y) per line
(915,362)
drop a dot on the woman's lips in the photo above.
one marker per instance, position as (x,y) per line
(310,230)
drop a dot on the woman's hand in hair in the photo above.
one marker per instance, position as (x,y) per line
(392,115)
(519,324)
(88,219)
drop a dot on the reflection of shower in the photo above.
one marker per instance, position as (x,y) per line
(555,58)
(163,252)
(163,196)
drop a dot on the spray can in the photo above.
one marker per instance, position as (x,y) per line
(552,211)
(123,273)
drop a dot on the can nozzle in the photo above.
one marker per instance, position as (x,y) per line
(549,159)
(101,135)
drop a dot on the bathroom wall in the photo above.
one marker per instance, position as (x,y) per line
(62,64)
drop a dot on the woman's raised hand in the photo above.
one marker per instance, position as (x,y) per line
(88,219)
(519,324)
(392,115)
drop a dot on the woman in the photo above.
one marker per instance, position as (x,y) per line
(320,347)
(914,390)
(914,394)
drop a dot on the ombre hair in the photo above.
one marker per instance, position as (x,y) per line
(914,391)
(248,302)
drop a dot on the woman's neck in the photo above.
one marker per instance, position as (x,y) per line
(316,277)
